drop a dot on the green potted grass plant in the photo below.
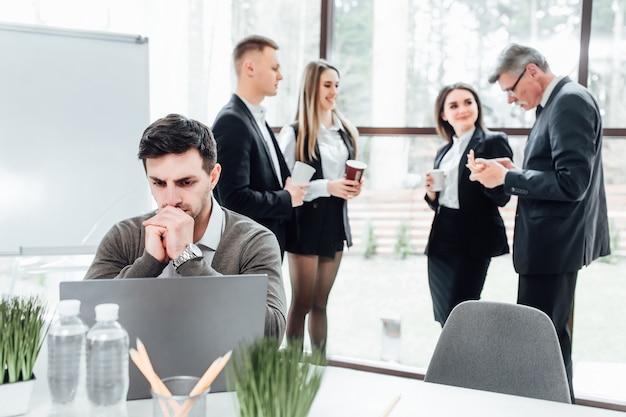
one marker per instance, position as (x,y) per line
(22,331)
(273,382)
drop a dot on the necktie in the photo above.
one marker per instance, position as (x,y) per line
(538,110)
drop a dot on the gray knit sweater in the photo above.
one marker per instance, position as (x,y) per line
(245,247)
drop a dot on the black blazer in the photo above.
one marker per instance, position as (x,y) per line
(248,184)
(481,232)
(561,222)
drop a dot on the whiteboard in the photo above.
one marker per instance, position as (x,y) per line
(73,106)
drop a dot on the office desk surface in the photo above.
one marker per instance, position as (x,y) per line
(346,392)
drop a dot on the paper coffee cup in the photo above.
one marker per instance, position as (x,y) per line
(354,169)
(302,173)
(438,176)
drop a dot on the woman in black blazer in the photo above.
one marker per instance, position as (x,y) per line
(467,229)
(324,139)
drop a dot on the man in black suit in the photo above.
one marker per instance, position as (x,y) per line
(561,222)
(255,179)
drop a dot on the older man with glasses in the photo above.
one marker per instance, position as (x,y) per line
(561,222)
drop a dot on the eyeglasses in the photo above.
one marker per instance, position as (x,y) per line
(511,91)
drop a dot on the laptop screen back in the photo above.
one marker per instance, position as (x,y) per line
(184,323)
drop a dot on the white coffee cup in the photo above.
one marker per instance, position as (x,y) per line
(439,178)
(302,173)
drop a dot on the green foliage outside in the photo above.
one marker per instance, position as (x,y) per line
(614,236)
(353,56)
(273,382)
(402,248)
(22,332)
(369,244)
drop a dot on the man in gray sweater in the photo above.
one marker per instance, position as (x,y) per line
(190,234)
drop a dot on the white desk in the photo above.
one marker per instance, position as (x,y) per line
(346,392)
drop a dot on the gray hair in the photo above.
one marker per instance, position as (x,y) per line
(514,58)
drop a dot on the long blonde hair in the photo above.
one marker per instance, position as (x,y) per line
(308,114)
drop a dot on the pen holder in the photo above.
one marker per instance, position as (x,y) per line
(180,403)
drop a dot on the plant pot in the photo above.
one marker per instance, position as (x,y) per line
(15,397)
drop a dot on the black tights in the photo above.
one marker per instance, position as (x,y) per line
(312,278)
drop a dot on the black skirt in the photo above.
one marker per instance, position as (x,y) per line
(453,275)
(319,228)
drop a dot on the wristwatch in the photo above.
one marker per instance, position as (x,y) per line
(190,252)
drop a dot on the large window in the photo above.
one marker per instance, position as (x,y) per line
(397,58)
(607,60)
(393,56)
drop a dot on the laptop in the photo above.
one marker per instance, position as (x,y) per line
(184,323)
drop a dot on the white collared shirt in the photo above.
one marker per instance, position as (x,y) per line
(209,241)
(449,196)
(549,90)
(333,155)
(259,112)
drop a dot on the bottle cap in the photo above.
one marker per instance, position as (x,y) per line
(107,312)
(69,307)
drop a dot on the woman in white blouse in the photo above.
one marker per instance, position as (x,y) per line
(467,229)
(324,139)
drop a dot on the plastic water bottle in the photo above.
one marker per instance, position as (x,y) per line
(66,339)
(107,359)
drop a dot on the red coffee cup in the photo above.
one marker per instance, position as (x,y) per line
(354,169)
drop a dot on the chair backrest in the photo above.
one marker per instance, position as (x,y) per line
(500,347)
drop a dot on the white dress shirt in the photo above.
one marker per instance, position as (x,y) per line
(549,89)
(449,196)
(259,112)
(209,242)
(333,155)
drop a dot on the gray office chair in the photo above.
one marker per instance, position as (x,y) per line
(500,347)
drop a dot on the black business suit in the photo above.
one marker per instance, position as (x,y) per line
(462,241)
(249,184)
(561,221)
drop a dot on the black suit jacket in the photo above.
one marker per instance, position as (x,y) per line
(248,184)
(561,222)
(481,231)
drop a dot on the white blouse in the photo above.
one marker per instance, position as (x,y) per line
(333,155)
(449,196)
